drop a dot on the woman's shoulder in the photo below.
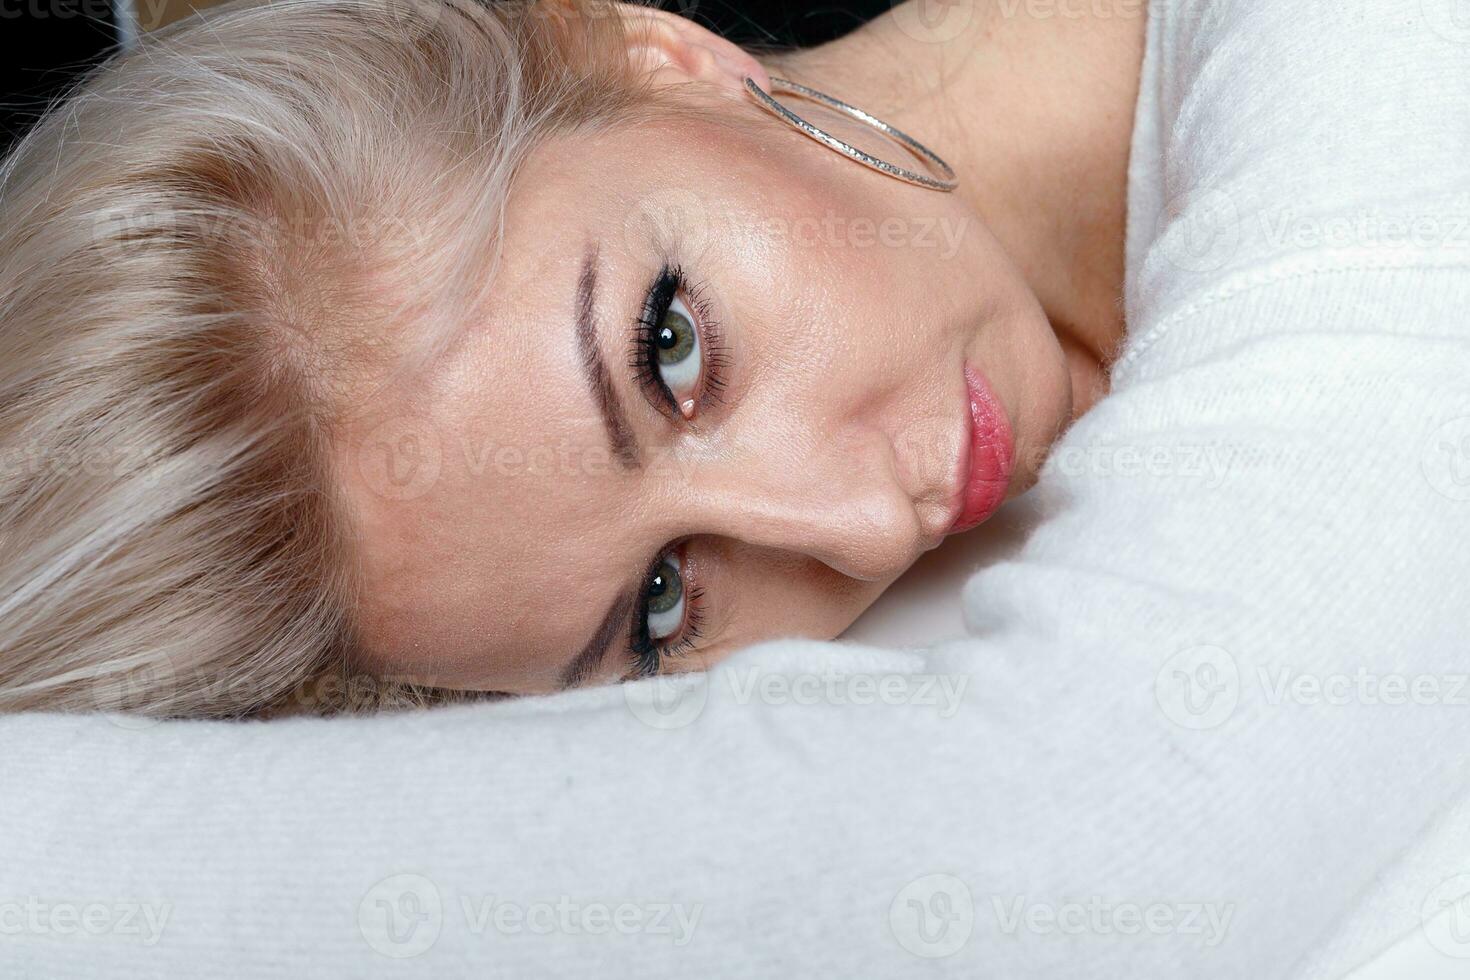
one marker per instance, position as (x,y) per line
(1319,135)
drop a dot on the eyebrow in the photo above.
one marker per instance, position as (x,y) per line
(619,433)
(624,448)
(585,664)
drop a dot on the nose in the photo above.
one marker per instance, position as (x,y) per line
(841,503)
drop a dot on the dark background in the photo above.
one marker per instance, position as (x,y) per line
(44,44)
(49,42)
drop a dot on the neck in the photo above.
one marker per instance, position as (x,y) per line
(1035,113)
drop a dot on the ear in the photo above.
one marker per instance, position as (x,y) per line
(675,49)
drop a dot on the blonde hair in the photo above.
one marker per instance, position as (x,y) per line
(194,246)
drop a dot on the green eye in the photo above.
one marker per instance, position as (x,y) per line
(675,337)
(665,600)
(669,344)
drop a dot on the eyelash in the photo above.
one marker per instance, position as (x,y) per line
(643,353)
(647,654)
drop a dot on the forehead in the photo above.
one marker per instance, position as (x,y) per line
(496,525)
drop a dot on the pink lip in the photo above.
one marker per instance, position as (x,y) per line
(991,452)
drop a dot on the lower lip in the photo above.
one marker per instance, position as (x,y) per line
(992,454)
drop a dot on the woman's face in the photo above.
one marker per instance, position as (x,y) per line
(722,397)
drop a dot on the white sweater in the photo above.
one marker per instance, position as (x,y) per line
(1212,720)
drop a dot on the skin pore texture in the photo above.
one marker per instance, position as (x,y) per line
(782,475)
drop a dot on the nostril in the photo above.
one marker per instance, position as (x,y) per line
(927,456)
(936,518)
(925,453)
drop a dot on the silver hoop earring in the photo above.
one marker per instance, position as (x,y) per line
(946,181)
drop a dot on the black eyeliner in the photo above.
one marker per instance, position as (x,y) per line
(643,358)
(642,647)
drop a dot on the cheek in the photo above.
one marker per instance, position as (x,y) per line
(877,270)
(782,595)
